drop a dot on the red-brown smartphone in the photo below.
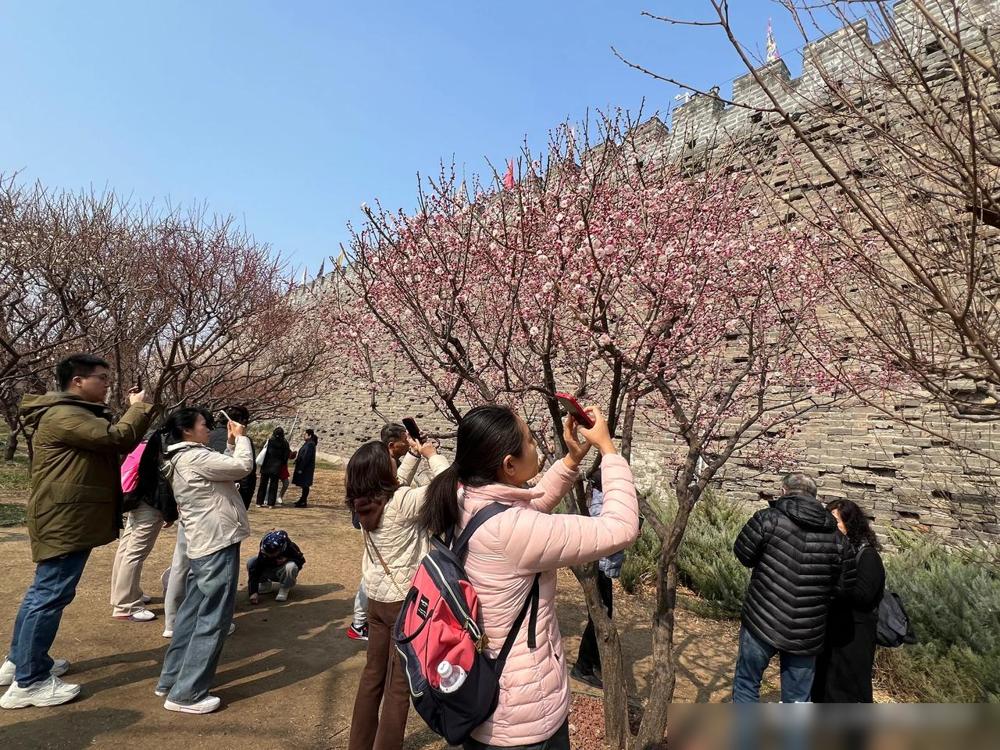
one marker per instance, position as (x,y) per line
(411,428)
(572,406)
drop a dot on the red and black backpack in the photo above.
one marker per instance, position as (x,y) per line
(440,620)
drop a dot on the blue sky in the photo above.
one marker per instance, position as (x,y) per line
(289,114)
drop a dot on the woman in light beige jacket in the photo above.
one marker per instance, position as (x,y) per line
(387,506)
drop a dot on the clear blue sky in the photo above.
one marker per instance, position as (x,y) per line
(290,114)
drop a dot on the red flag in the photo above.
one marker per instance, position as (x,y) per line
(508,179)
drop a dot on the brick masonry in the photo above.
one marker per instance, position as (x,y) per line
(903,476)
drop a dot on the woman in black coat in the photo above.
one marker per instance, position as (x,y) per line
(276,453)
(844,668)
(305,466)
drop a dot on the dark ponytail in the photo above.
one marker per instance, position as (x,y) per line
(486,435)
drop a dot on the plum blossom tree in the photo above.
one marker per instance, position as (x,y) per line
(639,289)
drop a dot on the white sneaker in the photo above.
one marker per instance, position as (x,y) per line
(282,595)
(281,500)
(59,668)
(137,615)
(205,706)
(50,692)
(168,633)
(232,628)
(266,587)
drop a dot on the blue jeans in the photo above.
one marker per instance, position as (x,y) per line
(201,626)
(797,672)
(41,610)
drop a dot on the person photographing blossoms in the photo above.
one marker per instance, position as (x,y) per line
(496,456)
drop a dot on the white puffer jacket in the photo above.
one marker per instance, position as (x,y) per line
(398,540)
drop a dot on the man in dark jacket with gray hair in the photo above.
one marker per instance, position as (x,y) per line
(799,560)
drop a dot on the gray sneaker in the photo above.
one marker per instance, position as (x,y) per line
(50,692)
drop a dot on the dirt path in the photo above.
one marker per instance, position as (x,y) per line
(288,675)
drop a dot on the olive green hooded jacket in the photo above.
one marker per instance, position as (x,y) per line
(76,494)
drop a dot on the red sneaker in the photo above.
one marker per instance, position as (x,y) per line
(357,634)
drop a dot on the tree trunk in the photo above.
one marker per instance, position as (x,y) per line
(11,449)
(653,729)
(616,726)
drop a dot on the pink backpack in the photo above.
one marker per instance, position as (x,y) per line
(130,467)
(440,621)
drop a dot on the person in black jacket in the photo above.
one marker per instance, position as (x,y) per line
(798,559)
(276,453)
(279,561)
(305,466)
(218,440)
(844,669)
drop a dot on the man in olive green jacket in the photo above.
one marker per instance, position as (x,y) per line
(75,505)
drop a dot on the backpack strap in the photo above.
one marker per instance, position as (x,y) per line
(530,604)
(460,545)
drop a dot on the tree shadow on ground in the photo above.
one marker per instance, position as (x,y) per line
(87,727)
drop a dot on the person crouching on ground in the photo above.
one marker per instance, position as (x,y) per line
(515,551)
(387,508)
(279,561)
(214,522)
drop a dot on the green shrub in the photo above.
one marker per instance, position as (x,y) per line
(953,600)
(707,563)
(12,515)
(640,561)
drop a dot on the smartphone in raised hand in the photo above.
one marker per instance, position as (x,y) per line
(411,428)
(572,406)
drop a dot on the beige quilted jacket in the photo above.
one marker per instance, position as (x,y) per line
(397,539)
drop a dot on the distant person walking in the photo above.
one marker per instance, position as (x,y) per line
(844,668)
(75,505)
(273,456)
(214,522)
(799,560)
(305,466)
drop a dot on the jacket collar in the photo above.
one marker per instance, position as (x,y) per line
(185,444)
(502,493)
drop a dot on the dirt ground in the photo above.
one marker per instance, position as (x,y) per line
(288,675)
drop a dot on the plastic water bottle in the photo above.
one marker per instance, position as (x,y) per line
(452,676)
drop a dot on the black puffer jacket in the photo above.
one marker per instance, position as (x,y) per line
(799,561)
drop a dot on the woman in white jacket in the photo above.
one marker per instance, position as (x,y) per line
(387,507)
(215,521)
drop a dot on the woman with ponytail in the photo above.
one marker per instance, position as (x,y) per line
(495,458)
(387,507)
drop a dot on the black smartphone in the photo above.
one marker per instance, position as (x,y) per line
(411,428)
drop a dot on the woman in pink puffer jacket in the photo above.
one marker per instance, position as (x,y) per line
(495,457)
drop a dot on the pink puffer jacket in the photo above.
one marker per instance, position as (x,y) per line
(504,556)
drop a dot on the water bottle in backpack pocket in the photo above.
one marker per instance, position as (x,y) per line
(453,684)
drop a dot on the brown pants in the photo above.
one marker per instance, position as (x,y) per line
(383,681)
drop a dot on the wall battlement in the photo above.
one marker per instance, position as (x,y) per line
(700,123)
